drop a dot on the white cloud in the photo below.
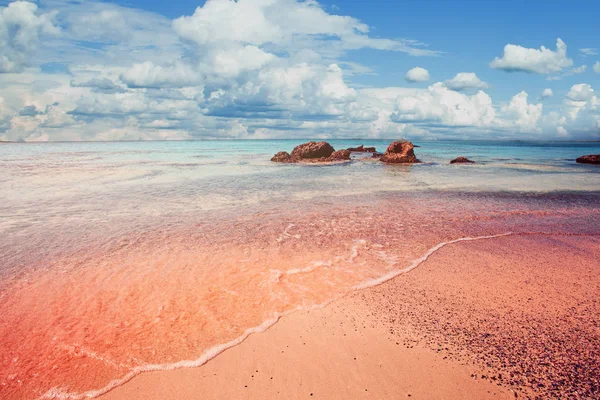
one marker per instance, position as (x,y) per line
(21,29)
(296,91)
(441,105)
(232,62)
(121,73)
(546,93)
(581,112)
(597,67)
(465,81)
(417,74)
(150,75)
(285,24)
(580,92)
(524,116)
(541,61)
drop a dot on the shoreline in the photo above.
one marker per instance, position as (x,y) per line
(162,305)
(144,384)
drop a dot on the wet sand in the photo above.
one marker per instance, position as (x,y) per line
(516,316)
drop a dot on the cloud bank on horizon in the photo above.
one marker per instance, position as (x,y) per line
(86,70)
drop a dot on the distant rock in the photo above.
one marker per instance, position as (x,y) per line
(362,149)
(462,160)
(400,152)
(282,157)
(340,155)
(312,150)
(589,159)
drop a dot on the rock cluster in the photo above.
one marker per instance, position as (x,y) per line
(312,152)
(316,152)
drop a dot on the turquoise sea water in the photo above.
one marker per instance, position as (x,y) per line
(55,185)
(224,173)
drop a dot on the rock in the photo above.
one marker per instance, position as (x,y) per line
(282,157)
(312,153)
(362,149)
(462,160)
(312,150)
(340,155)
(589,159)
(400,152)
(377,155)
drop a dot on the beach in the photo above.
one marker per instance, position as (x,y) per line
(476,320)
(151,277)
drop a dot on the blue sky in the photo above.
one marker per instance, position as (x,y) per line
(86,70)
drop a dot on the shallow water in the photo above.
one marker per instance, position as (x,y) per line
(122,257)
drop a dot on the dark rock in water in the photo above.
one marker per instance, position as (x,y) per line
(400,152)
(589,159)
(340,155)
(362,149)
(312,150)
(377,155)
(462,160)
(312,153)
(282,157)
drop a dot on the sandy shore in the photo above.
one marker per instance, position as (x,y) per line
(508,317)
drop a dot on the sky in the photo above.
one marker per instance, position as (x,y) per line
(73,70)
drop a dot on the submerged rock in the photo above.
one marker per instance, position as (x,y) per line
(462,160)
(362,149)
(589,159)
(312,150)
(400,152)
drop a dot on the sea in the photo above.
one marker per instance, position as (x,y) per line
(118,258)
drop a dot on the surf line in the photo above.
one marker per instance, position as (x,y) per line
(421,260)
(57,393)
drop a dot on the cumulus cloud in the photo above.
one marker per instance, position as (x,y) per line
(581,113)
(298,91)
(465,81)
(546,93)
(134,74)
(284,24)
(580,92)
(417,74)
(521,114)
(442,105)
(597,67)
(540,61)
(22,28)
